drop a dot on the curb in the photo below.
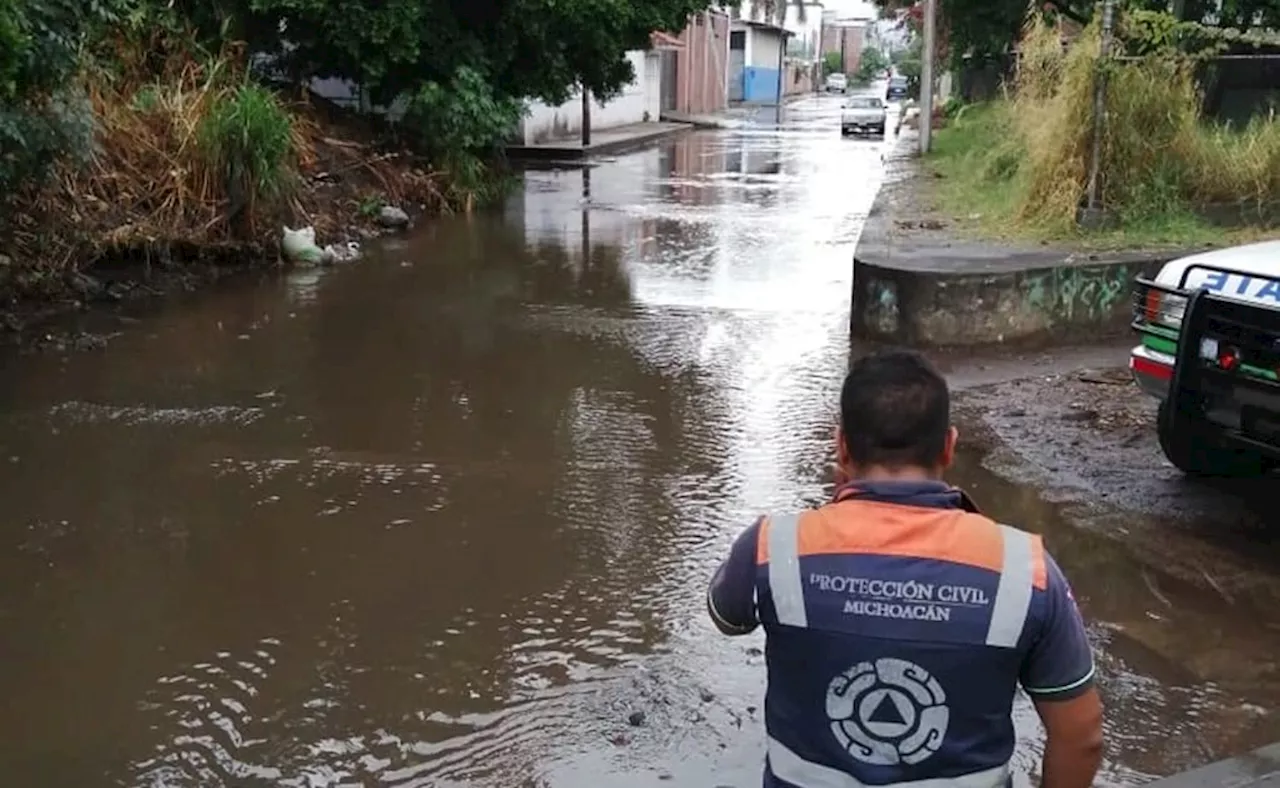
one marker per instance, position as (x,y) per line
(696,121)
(1257,769)
(578,153)
(914,285)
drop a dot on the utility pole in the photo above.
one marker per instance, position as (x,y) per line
(782,49)
(1094,206)
(586,117)
(926,73)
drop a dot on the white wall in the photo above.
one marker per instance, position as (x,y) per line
(763,48)
(642,96)
(651,76)
(807,34)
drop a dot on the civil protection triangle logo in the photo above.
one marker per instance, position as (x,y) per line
(887,713)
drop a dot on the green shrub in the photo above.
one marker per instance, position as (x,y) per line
(246,138)
(460,126)
(465,115)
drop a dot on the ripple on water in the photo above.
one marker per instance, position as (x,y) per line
(139,415)
(354,479)
(219,724)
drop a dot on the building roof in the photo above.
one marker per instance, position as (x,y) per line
(764,26)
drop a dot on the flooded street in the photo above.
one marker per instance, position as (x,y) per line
(445,517)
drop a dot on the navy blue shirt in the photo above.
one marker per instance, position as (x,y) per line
(899,623)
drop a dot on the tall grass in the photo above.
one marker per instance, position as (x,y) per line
(246,137)
(187,149)
(1161,160)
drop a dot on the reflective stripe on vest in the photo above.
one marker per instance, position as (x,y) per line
(786,583)
(791,768)
(1008,611)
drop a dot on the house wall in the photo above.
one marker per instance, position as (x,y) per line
(763,48)
(651,78)
(848,40)
(639,101)
(806,36)
(702,69)
(798,77)
(760,77)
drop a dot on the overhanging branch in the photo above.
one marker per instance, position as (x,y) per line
(1069,12)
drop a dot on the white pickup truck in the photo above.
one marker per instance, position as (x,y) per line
(1210,352)
(863,114)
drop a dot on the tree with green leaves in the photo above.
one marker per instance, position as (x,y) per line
(522,48)
(871,64)
(41,117)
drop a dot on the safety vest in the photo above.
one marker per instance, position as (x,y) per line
(895,635)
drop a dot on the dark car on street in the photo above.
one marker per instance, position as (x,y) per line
(897,88)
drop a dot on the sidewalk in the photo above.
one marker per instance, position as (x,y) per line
(610,140)
(918,280)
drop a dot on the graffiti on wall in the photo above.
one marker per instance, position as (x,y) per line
(1080,294)
(881,316)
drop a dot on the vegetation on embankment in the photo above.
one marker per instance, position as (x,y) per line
(1021,165)
(161,132)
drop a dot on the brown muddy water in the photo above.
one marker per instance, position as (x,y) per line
(444,517)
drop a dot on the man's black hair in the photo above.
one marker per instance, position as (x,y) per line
(895,410)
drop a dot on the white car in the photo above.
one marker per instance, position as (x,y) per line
(837,83)
(1210,353)
(863,114)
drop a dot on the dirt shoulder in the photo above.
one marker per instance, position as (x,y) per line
(1086,439)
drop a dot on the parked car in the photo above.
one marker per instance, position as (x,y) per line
(837,83)
(1210,353)
(863,114)
(897,88)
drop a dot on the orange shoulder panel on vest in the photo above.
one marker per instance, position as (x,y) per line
(874,528)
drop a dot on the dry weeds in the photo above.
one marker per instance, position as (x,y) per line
(148,188)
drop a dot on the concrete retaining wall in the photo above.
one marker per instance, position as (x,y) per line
(1067,301)
(918,281)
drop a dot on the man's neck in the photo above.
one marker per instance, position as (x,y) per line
(877,473)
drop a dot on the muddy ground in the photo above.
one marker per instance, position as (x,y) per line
(1086,438)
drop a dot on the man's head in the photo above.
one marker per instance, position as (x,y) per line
(895,418)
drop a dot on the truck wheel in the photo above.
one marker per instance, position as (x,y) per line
(1196,455)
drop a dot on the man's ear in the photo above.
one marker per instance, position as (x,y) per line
(842,451)
(842,471)
(949,447)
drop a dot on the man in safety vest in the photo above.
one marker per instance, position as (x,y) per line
(899,621)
